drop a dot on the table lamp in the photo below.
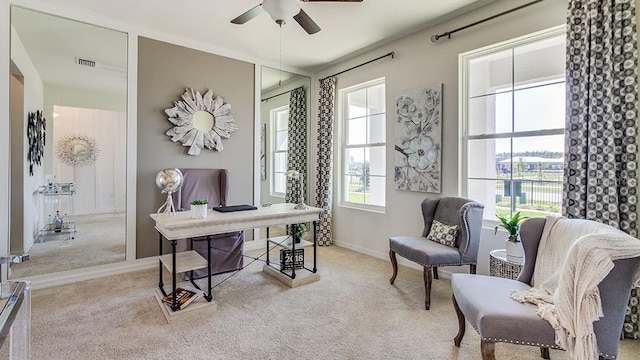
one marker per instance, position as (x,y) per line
(296,175)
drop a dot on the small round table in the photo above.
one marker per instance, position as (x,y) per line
(501,267)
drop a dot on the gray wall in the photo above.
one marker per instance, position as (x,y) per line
(17,116)
(164,71)
(419,63)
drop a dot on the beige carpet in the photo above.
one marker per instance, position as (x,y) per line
(351,313)
(100,239)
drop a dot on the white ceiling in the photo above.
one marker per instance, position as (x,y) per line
(346,27)
(54,43)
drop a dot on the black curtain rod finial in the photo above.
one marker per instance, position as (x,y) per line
(435,38)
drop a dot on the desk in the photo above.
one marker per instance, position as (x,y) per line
(181,226)
(501,267)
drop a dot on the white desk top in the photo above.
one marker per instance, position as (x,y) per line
(182,226)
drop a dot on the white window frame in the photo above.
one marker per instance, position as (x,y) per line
(342,131)
(273,125)
(463,75)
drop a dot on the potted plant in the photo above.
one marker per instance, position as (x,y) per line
(199,209)
(515,252)
(301,231)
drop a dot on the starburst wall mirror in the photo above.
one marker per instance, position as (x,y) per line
(200,121)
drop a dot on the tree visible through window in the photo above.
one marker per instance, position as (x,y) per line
(512,121)
(363,151)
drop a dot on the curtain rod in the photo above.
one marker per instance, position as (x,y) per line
(276,95)
(392,54)
(435,38)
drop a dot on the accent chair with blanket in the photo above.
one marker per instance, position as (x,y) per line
(571,294)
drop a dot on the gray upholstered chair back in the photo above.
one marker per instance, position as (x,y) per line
(210,184)
(614,289)
(456,211)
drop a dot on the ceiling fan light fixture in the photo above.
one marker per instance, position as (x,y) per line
(281,10)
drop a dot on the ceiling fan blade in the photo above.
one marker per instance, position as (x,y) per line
(255,11)
(306,22)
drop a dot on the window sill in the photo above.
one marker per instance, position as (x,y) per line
(368,208)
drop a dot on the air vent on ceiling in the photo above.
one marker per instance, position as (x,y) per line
(85,62)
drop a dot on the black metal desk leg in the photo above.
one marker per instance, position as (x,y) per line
(267,242)
(174,302)
(315,245)
(294,240)
(209,296)
(160,282)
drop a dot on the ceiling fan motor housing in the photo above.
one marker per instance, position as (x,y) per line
(281,10)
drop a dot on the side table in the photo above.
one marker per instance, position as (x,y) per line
(501,267)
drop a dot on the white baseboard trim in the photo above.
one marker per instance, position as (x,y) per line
(444,274)
(94,272)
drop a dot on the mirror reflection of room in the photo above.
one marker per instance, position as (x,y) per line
(284,127)
(72,212)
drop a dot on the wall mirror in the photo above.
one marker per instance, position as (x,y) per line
(284,121)
(68,215)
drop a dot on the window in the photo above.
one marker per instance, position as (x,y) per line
(363,150)
(512,98)
(279,119)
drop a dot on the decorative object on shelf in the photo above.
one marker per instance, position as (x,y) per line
(200,121)
(417,159)
(36,126)
(57,222)
(169,181)
(296,175)
(199,209)
(77,150)
(290,259)
(515,251)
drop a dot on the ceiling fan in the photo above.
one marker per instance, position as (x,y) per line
(283,10)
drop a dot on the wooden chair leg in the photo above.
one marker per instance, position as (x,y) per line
(394,263)
(461,323)
(472,269)
(544,353)
(435,273)
(427,287)
(488,350)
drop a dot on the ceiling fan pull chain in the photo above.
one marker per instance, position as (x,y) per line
(280,66)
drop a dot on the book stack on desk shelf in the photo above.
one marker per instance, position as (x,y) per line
(184,297)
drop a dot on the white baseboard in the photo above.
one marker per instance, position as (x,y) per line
(94,272)
(445,274)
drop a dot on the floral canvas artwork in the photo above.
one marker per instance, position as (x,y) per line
(418,146)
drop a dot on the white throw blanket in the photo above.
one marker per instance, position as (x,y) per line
(569,299)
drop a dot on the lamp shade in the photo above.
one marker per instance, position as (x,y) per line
(281,9)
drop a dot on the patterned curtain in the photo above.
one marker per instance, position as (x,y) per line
(297,144)
(601,164)
(324,185)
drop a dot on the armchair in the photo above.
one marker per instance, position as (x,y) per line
(486,301)
(450,237)
(226,249)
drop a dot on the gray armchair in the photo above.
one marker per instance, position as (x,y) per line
(226,249)
(463,214)
(486,303)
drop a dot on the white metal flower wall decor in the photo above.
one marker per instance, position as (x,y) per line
(200,121)
(77,150)
(418,144)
